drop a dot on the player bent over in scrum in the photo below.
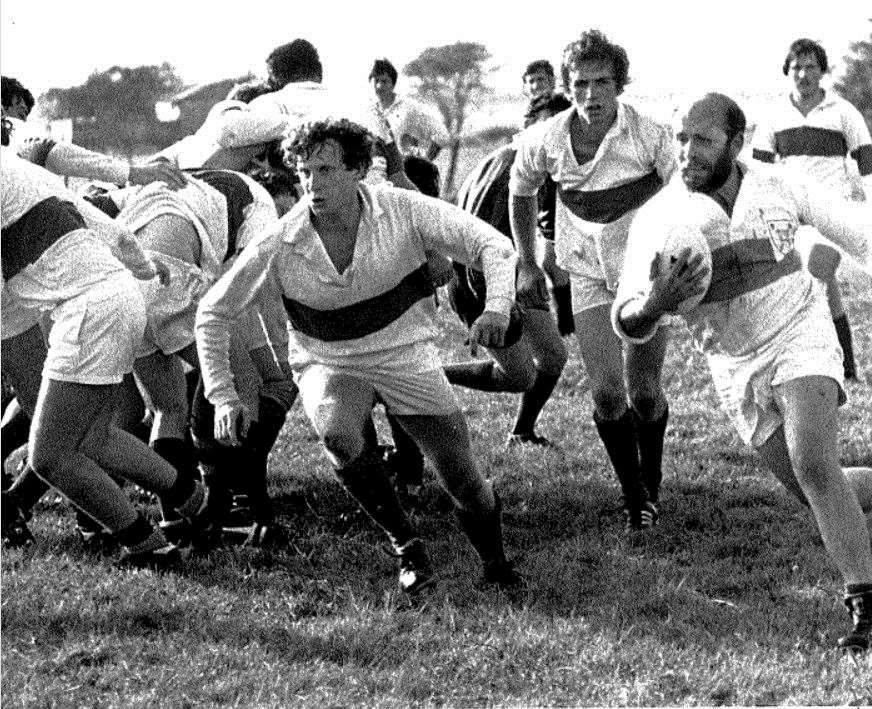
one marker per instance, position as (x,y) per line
(349,262)
(56,262)
(763,324)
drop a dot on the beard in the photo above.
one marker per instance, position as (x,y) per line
(709,178)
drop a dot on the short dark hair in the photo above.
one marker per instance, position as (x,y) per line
(805,46)
(295,61)
(12,88)
(554,104)
(540,65)
(249,91)
(594,46)
(423,173)
(383,66)
(355,141)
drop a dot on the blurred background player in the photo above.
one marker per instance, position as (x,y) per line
(533,355)
(415,127)
(817,132)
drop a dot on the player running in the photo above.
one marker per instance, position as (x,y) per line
(763,324)
(349,262)
(606,159)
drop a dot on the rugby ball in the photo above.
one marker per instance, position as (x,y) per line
(682,237)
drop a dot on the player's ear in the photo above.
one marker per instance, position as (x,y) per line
(737,142)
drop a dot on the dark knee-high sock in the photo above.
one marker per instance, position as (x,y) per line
(178,453)
(370,437)
(408,460)
(483,375)
(533,400)
(485,532)
(563,309)
(261,437)
(649,436)
(366,480)
(846,341)
(619,439)
(216,462)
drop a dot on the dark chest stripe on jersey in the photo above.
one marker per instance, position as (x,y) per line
(238,197)
(362,318)
(763,155)
(744,266)
(605,206)
(863,156)
(808,140)
(28,238)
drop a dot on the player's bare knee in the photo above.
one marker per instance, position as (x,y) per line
(647,402)
(609,402)
(343,445)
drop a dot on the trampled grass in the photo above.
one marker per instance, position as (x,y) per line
(731,600)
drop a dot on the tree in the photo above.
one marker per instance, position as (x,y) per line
(856,83)
(114,109)
(451,77)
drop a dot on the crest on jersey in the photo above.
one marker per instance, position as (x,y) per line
(780,227)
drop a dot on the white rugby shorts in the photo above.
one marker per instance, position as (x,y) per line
(806,347)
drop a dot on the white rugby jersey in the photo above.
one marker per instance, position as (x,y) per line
(758,281)
(273,115)
(596,201)
(374,309)
(53,246)
(412,124)
(818,144)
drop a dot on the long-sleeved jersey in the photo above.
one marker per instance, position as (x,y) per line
(374,308)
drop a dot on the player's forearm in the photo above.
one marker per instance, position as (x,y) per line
(523,213)
(73,161)
(498,263)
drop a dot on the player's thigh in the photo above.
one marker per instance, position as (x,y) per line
(23,357)
(549,350)
(517,362)
(809,407)
(161,380)
(600,348)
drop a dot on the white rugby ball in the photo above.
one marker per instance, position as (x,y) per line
(680,238)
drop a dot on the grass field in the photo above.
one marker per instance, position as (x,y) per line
(731,600)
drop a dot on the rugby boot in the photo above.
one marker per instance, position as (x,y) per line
(416,572)
(146,547)
(485,533)
(859,605)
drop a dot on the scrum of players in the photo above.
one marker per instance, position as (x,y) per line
(159,323)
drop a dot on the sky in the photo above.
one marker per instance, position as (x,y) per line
(672,44)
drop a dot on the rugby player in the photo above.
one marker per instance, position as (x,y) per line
(349,261)
(763,324)
(818,132)
(414,127)
(62,258)
(606,159)
(533,355)
(538,79)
